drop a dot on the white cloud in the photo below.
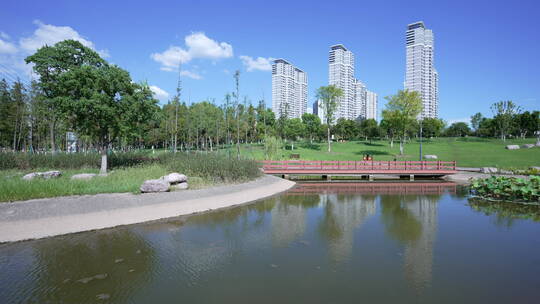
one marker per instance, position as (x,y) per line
(198,45)
(47,34)
(190,74)
(7,47)
(12,55)
(159,93)
(260,63)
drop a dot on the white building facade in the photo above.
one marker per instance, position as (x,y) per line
(420,73)
(341,75)
(353,104)
(289,90)
(371,106)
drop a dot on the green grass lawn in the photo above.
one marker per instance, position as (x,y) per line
(467,152)
(13,188)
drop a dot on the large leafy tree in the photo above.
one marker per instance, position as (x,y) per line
(50,63)
(293,128)
(329,96)
(476,119)
(369,129)
(458,129)
(312,125)
(504,112)
(432,127)
(102,103)
(401,112)
(346,129)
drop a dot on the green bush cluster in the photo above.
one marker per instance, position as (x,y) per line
(508,188)
(213,167)
(26,161)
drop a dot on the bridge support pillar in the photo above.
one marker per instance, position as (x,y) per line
(285,176)
(411,177)
(327,177)
(371,178)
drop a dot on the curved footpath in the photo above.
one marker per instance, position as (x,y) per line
(41,218)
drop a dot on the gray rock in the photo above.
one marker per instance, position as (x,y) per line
(535,168)
(30,176)
(51,174)
(83,176)
(527,146)
(489,170)
(427,156)
(175,178)
(154,185)
(45,175)
(180,186)
(512,147)
(537,144)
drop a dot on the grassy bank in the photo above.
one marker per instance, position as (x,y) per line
(468,152)
(202,171)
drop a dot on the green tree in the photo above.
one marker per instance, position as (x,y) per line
(458,129)
(504,112)
(312,125)
(369,129)
(293,129)
(401,111)
(432,127)
(345,129)
(527,123)
(101,102)
(329,96)
(476,119)
(50,63)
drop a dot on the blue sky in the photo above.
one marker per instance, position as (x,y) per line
(485,51)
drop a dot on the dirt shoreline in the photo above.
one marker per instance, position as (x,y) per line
(40,218)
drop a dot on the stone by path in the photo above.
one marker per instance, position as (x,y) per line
(41,218)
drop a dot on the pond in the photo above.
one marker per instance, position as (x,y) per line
(317,243)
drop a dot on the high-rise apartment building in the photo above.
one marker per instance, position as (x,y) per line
(341,75)
(353,103)
(420,74)
(371,106)
(289,89)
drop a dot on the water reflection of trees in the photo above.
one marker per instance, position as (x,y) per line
(342,214)
(77,268)
(506,213)
(412,221)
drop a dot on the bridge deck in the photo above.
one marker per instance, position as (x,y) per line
(302,167)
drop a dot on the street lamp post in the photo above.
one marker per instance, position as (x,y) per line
(420,140)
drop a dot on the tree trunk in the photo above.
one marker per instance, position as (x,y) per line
(328,137)
(401,147)
(51,134)
(391,142)
(103,169)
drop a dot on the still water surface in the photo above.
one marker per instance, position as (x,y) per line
(318,243)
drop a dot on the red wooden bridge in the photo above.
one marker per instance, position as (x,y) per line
(359,168)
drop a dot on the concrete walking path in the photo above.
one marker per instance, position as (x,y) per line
(41,218)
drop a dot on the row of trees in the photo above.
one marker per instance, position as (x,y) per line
(80,92)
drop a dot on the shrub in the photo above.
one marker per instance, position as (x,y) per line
(508,188)
(213,167)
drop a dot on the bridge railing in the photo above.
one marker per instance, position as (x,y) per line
(325,165)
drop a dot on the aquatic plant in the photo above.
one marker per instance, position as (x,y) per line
(508,188)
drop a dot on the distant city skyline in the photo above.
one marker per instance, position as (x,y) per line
(480,60)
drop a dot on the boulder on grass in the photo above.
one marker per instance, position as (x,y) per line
(30,176)
(535,168)
(154,185)
(83,176)
(427,156)
(537,144)
(527,146)
(512,147)
(180,186)
(51,174)
(175,178)
(489,170)
(45,175)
